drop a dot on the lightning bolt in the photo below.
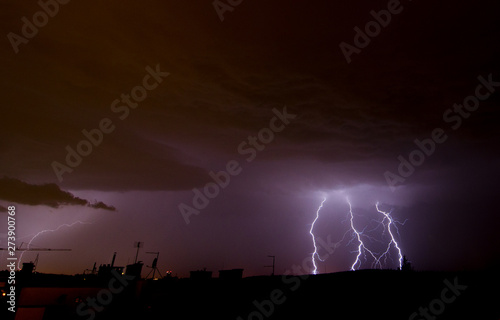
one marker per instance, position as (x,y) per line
(387,215)
(45,231)
(357,235)
(360,236)
(315,253)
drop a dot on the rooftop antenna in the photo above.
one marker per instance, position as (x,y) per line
(137,244)
(113,260)
(154,266)
(93,271)
(35,262)
(274,257)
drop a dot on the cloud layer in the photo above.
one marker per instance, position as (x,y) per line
(14,190)
(226,77)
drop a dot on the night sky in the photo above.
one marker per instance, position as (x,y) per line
(170,93)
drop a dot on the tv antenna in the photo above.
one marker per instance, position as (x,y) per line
(138,244)
(274,257)
(154,266)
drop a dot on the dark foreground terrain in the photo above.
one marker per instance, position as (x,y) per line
(366,294)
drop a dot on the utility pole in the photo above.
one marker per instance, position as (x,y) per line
(274,257)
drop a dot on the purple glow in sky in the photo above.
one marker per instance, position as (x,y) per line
(405,104)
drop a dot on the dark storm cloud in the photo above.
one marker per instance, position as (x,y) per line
(353,121)
(226,77)
(14,190)
(101,205)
